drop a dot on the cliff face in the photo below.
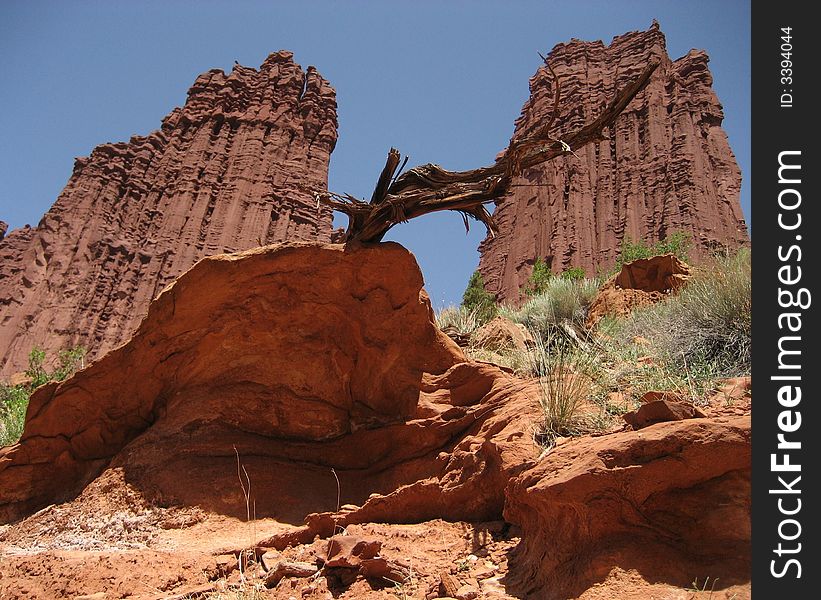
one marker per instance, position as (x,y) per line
(225,172)
(667,165)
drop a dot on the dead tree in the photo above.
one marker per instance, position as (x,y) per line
(399,197)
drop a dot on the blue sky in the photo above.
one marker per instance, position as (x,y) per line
(440,81)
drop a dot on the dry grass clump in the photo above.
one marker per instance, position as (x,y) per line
(461,319)
(560,300)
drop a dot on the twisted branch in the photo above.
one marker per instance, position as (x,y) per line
(430,188)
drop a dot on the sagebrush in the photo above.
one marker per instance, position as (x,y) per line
(561,299)
(708,325)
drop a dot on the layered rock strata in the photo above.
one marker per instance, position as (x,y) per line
(666,166)
(225,172)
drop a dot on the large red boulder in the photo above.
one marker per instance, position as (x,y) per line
(670,502)
(305,363)
(639,283)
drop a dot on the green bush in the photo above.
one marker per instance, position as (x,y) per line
(68,362)
(677,243)
(574,274)
(707,326)
(14,399)
(478,300)
(36,370)
(539,279)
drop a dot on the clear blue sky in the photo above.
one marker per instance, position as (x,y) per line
(441,81)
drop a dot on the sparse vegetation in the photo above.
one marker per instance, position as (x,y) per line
(707,326)
(254,591)
(677,243)
(631,369)
(573,273)
(564,371)
(14,399)
(461,319)
(684,344)
(540,277)
(561,299)
(478,300)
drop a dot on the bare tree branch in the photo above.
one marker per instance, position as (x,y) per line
(430,188)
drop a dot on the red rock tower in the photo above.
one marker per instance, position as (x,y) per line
(225,172)
(667,165)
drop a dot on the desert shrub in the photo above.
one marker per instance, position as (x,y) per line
(36,369)
(478,300)
(463,319)
(560,300)
(566,379)
(540,278)
(14,399)
(677,243)
(707,326)
(573,273)
(68,362)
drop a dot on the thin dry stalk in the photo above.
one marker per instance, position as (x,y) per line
(244,558)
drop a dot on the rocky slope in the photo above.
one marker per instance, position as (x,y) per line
(305,389)
(223,173)
(667,165)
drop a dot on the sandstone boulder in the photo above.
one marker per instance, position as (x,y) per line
(668,502)
(303,364)
(660,411)
(502,334)
(639,283)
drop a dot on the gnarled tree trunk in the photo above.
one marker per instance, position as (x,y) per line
(430,188)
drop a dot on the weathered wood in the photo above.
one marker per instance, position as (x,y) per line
(430,188)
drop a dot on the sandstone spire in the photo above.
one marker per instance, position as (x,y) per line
(223,173)
(667,166)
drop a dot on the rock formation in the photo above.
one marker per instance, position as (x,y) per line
(304,358)
(639,283)
(223,173)
(319,373)
(666,167)
(670,502)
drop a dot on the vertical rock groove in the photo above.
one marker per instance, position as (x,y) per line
(216,177)
(667,166)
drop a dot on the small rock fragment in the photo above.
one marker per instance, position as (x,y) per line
(448,584)
(288,568)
